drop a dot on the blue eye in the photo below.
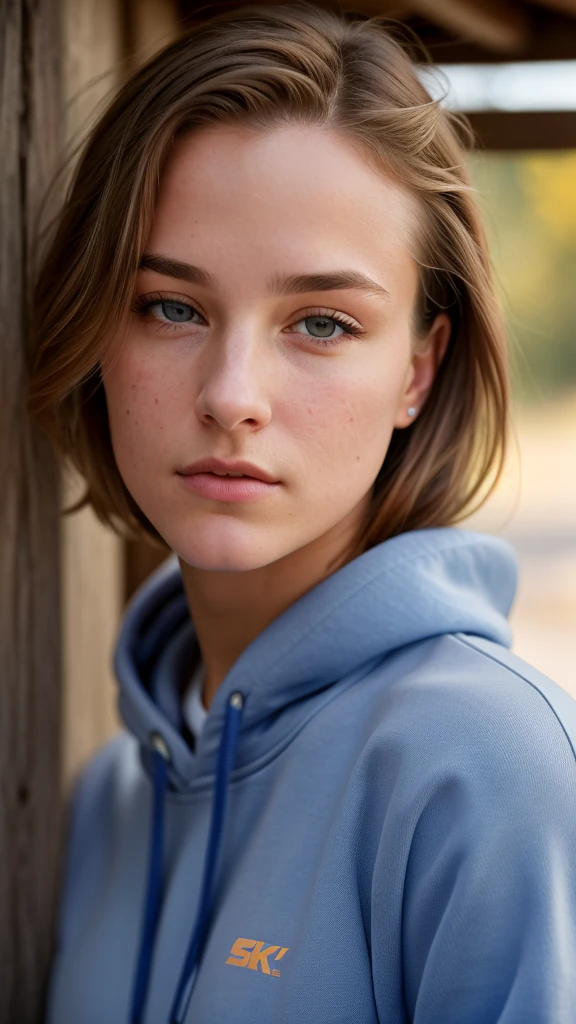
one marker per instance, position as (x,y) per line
(166,311)
(173,311)
(321,326)
(326,328)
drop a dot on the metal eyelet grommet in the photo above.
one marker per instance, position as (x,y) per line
(159,744)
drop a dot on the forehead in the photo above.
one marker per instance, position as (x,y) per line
(297,190)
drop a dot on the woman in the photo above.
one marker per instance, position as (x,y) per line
(267,333)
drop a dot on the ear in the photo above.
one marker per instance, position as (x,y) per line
(422,370)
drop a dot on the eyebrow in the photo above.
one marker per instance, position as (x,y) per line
(337,280)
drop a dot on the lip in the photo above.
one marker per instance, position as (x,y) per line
(201,478)
(248,469)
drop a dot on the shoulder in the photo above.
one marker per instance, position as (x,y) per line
(466,708)
(489,816)
(101,794)
(113,770)
(520,710)
(523,691)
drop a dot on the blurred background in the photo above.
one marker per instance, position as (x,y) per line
(510,66)
(530,205)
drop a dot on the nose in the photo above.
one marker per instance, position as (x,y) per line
(235,385)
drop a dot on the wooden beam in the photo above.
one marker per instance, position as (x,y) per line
(495,25)
(462,31)
(391,8)
(153,24)
(552,37)
(92,556)
(565,6)
(193,11)
(524,130)
(30,636)
(94,46)
(92,598)
(141,560)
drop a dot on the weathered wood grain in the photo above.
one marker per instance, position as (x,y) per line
(92,572)
(30,692)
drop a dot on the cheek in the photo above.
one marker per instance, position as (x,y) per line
(346,421)
(142,401)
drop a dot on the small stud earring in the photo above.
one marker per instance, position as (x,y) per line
(411,411)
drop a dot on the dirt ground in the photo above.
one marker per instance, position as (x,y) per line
(534,508)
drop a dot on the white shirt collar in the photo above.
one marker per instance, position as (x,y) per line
(193,710)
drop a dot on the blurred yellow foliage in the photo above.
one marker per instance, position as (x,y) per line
(549,183)
(529,203)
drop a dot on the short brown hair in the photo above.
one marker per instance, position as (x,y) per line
(264,66)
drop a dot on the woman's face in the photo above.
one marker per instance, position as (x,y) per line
(272,324)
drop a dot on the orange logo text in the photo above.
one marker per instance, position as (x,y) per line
(255,955)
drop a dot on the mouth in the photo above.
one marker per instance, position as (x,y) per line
(229,468)
(224,481)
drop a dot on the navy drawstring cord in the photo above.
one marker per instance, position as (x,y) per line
(160,758)
(226,756)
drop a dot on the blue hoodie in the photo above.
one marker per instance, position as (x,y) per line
(378,824)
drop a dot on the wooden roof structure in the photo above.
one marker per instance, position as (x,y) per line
(475,31)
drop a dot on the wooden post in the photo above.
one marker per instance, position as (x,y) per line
(152,24)
(92,556)
(30,638)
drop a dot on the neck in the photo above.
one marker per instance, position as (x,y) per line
(230,609)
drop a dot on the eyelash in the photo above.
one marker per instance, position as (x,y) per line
(143,304)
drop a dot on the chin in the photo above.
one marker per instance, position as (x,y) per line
(223,544)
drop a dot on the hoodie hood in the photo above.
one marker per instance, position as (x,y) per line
(412,587)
